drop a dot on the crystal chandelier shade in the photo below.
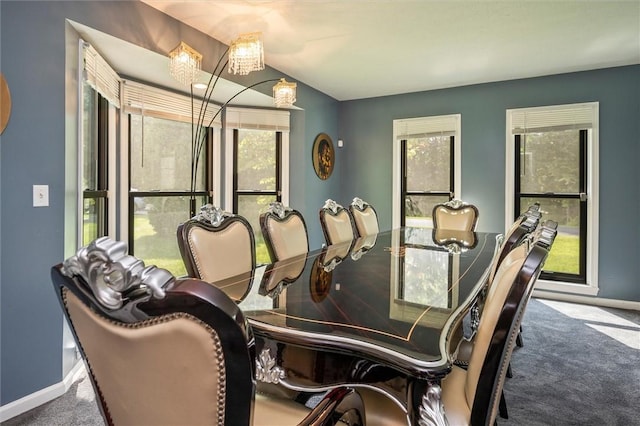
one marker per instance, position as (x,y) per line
(246,54)
(284,94)
(184,64)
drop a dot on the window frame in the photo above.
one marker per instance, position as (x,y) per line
(208,165)
(450,123)
(140,98)
(591,184)
(277,192)
(248,118)
(100,139)
(96,73)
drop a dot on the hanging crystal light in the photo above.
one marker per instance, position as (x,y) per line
(246,54)
(284,94)
(184,63)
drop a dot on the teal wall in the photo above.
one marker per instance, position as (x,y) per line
(32,151)
(366,127)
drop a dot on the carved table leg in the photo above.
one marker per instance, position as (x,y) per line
(266,369)
(426,407)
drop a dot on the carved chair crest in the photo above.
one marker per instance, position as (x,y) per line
(278,209)
(359,204)
(455,204)
(531,217)
(546,234)
(212,215)
(110,272)
(332,206)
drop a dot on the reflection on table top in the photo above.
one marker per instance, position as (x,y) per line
(393,295)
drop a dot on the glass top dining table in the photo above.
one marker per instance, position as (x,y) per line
(382,311)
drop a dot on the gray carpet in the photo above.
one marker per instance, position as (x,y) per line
(580,365)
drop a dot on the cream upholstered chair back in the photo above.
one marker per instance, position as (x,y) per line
(472,396)
(215,245)
(336,223)
(488,321)
(146,352)
(284,231)
(166,351)
(455,214)
(365,218)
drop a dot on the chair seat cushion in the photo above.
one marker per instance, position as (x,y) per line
(455,403)
(380,410)
(271,410)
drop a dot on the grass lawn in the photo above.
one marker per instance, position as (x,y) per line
(564,256)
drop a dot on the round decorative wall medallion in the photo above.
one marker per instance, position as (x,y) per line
(5,103)
(323,156)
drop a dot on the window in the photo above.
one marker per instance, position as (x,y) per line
(100,94)
(426,167)
(257,178)
(259,158)
(94,166)
(159,180)
(551,160)
(139,190)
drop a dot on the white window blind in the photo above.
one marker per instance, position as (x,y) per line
(99,74)
(553,118)
(151,101)
(442,125)
(259,119)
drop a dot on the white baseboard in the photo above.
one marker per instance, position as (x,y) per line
(585,300)
(36,399)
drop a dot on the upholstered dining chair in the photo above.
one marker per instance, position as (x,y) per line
(455,214)
(521,229)
(544,238)
(472,396)
(216,244)
(167,351)
(364,217)
(336,223)
(284,232)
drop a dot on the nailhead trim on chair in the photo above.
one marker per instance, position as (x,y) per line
(505,365)
(222,388)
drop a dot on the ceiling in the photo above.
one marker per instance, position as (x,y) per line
(152,67)
(354,49)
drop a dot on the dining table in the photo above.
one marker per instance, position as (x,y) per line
(383,312)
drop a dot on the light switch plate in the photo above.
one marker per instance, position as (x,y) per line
(40,195)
